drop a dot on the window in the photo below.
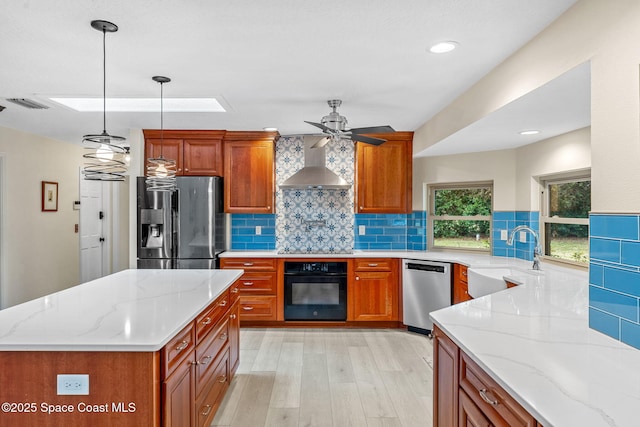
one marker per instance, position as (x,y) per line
(460,216)
(565,219)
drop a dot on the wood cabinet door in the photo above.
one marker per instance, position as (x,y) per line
(202,157)
(178,395)
(383,175)
(234,337)
(469,414)
(171,149)
(249,181)
(375,296)
(445,380)
(460,286)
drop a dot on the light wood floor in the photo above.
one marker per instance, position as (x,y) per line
(330,377)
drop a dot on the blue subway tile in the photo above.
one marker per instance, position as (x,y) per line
(395,230)
(614,303)
(596,274)
(604,322)
(504,215)
(522,216)
(630,253)
(614,226)
(627,282)
(630,333)
(604,249)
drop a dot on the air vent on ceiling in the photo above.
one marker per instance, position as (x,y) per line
(28,103)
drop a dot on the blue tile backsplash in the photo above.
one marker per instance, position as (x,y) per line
(391,231)
(508,220)
(614,276)
(243,232)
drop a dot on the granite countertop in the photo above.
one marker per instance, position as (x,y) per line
(132,310)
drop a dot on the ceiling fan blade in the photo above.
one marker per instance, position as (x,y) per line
(368,139)
(373,129)
(318,125)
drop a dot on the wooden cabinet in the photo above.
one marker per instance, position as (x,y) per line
(373,291)
(196,364)
(383,175)
(250,172)
(465,395)
(258,295)
(460,284)
(196,152)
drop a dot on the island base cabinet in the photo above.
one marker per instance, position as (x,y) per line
(469,414)
(179,394)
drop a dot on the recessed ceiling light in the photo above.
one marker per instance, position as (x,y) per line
(172,105)
(269,129)
(443,47)
(530,132)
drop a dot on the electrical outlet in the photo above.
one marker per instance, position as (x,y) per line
(258,230)
(523,237)
(73,384)
(504,235)
(361,230)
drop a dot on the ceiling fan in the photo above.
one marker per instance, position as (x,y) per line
(335,126)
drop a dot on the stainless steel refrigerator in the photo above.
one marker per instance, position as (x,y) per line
(182,229)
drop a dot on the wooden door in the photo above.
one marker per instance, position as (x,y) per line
(383,175)
(249,182)
(171,149)
(445,380)
(375,296)
(203,157)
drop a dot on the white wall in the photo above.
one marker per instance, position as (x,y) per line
(42,248)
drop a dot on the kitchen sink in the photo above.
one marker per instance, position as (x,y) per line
(487,280)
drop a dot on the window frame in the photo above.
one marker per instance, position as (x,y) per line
(431,217)
(545,182)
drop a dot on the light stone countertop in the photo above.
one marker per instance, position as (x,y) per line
(535,341)
(132,310)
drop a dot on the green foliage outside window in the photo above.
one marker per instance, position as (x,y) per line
(462,202)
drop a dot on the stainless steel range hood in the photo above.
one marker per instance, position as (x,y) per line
(315,174)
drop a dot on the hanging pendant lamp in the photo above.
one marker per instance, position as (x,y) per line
(105,155)
(161,172)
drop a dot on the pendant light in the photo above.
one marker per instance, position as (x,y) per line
(161,172)
(105,155)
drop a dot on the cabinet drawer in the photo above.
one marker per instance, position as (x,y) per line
(258,283)
(206,321)
(177,350)
(461,272)
(491,398)
(248,263)
(208,403)
(382,264)
(258,307)
(234,292)
(207,351)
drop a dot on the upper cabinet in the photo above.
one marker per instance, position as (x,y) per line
(249,186)
(383,174)
(196,152)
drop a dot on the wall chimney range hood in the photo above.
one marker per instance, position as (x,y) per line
(315,174)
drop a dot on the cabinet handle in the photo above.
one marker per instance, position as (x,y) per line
(248,264)
(182,346)
(233,316)
(357,277)
(223,303)
(247,283)
(247,308)
(207,410)
(205,360)
(373,265)
(223,337)
(206,321)
(235,290)
(222,379)
(484,394)
(464,272)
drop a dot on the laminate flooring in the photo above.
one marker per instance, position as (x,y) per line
(330,378)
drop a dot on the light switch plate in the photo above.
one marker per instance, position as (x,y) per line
(503,235)
(258,230)
(523,237)
(361,230)
(73,384)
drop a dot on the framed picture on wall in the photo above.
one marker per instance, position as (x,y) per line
(49,196)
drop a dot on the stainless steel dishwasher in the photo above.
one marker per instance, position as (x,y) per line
(426,287)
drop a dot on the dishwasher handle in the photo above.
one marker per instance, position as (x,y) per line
(426,267)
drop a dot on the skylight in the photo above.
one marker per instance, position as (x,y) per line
(171,105)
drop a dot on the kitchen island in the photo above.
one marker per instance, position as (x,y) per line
(144,347)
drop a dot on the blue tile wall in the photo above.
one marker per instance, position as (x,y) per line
(508,220)
(243,232)
(614,276)
(391,231)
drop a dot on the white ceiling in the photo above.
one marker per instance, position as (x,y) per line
(270,63)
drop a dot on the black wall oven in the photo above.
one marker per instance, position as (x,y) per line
(315,291)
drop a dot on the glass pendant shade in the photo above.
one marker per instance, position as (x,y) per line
(105,154)
(161,172)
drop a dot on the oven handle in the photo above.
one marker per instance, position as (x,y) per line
(317,274)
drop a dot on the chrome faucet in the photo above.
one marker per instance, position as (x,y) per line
(537,251)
